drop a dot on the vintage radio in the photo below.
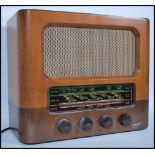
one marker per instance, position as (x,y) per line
(75,75)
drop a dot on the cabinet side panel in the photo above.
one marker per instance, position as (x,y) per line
(13,71)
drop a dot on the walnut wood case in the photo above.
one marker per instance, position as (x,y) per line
(28,85)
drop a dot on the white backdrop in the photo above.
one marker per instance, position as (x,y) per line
(142,138)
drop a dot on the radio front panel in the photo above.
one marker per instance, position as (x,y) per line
(88,98)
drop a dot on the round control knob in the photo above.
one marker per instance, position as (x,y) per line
(64,126)
(106,122)
(86,123)
(125,120)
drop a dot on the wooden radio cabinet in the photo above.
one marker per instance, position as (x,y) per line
(76,75)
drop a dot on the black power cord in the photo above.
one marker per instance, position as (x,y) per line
(9,128)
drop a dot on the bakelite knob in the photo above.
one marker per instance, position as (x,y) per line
(64,126)
(125,120)
(106,122)
(86,123)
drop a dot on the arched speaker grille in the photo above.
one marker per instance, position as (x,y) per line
(87,52)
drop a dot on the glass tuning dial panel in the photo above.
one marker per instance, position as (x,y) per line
(90,97)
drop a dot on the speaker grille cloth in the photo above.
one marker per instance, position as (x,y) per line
(87,52)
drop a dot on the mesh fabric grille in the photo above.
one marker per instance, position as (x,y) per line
(86,52)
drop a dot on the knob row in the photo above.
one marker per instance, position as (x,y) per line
(86,124)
